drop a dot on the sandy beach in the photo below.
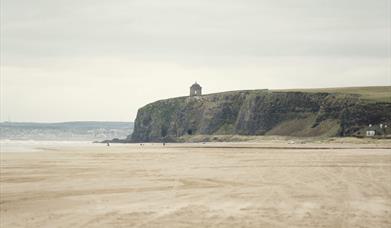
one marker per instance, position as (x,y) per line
(264,184)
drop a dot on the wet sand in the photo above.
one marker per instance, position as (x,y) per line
(198,185)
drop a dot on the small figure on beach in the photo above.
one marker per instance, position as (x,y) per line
(108,144)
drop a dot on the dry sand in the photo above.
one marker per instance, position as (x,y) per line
(264,184)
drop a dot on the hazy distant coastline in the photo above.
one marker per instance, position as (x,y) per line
(65,131)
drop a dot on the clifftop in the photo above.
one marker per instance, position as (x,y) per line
(261,112)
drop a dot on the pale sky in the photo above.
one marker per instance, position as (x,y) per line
(65,60)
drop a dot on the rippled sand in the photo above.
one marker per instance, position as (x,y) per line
(198,185)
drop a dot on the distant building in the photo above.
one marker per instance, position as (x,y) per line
(376,130)
(195,90)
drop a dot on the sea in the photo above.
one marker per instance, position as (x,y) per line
(30,137)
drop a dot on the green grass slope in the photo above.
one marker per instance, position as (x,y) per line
(370,93)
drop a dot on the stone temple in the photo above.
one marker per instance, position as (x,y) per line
(195,90)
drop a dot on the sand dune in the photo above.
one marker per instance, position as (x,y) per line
(197,185)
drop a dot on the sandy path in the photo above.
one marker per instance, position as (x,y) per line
(180,186)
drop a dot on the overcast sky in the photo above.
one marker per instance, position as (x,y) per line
(65,60)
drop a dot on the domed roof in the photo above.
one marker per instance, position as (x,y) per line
(195,86)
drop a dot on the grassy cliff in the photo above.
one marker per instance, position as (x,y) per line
(321,112)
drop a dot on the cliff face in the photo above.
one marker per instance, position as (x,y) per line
(258,112)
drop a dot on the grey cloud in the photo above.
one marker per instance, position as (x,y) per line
(94,51)
(204,28)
